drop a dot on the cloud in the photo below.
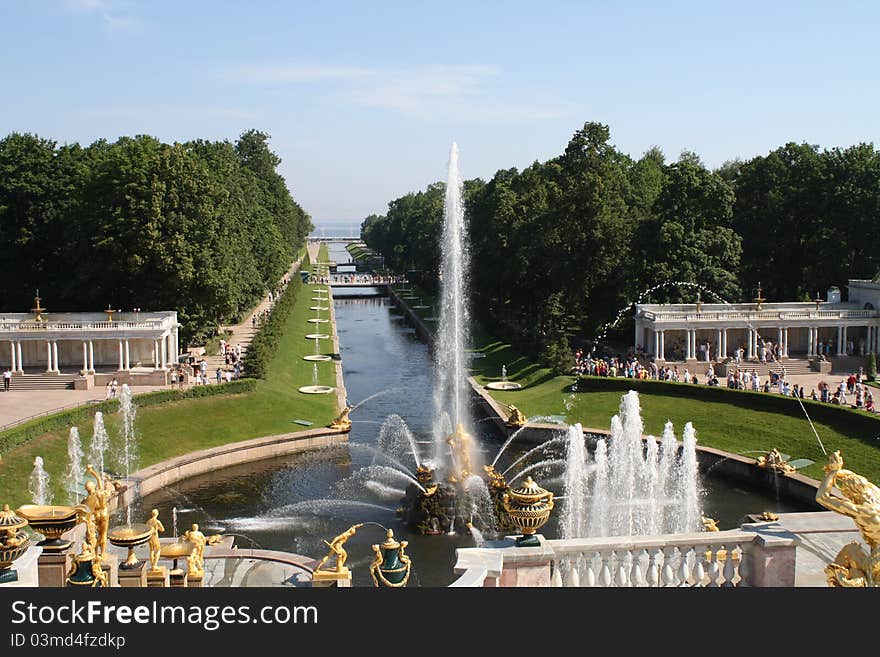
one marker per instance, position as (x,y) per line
(425,92)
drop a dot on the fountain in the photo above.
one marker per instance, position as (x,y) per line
(503,384)
(75,475)
(38,484)
(126,456)
(99,444)
(317,356)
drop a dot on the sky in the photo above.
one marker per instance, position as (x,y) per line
(363,100)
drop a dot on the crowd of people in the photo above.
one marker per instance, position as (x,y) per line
(358,279)
(851,391)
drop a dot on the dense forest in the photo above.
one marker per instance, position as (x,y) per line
(560,248)
(204,228)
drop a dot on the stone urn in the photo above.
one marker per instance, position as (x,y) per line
(13,543)
(528,508)
(51,522)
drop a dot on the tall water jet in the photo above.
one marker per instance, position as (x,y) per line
(688,490)
(126,456)
(38,484)
(575,485)
(99,443)
(76,470)
(452,334)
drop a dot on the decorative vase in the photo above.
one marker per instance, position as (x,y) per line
(528,508)
(51,522)
(390,567)
(13,543)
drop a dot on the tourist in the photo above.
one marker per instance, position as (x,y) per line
(767,385)
(113,385)
(219,375)
(173,377)
(7,379)
(813,395)
(228,376)
(869,402)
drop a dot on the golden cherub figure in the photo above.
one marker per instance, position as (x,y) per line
(853,566)
(155,543)
(710,524)
(774,461)
(460,444)
(336,548)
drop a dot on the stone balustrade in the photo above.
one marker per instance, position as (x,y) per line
(755,555)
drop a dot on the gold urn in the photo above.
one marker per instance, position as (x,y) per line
(528,507)
(13,543)
(51,522)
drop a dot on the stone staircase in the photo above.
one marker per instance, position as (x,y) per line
(43,381)
(792,366)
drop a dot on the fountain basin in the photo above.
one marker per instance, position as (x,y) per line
(318,308)
(503,385)
(316,320)
(316,390)
(318,357)
(51,522)
(317,336)
(319,299)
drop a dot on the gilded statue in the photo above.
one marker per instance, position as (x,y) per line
(196,559)
(336,548)
(11,540)
(774,461)
(99,575)
(90,540)
(98,498)
(460,444)
(496,479)
(769,516)
(342,422)
(710,524)
(853,566)
(516,417)
(155,543)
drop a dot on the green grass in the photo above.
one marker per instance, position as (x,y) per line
(177,428)
(731,420)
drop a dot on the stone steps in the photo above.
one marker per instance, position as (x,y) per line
(43,381)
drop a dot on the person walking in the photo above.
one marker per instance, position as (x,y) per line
(7,379)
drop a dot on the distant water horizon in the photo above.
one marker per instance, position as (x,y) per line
(336,228)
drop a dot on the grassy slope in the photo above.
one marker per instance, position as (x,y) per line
(180,427)
(734,425)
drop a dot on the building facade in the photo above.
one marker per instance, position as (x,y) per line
(713,331)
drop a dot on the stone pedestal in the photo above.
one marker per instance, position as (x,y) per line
(53,568)
(133,576)
(177,578)
(194,580)
(158,578)
(110,566)
(328,578)
(24,569)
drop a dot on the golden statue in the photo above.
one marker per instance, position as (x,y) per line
(99,493)
(98,573)
(853,566)
(430,490)
(195,560)
(496,479)
(769,516)
(342,422)
(460,444)
(710,524)
(424,474)
(11,540)
(774,461)
(336,547)
(155,543)
(516,418)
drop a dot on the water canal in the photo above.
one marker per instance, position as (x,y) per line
(296,502)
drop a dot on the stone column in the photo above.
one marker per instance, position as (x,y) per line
(48,355)
(91,357)
(718,343)
(85,357)
(656,344)
(12,349)
(840,338)
(55,356)
(785,342)
(843,341)
(663,345)
(689,351)
(127,356)
(163,350)
(121,357)
(809,341)
(176,346)
(635,338)
(20,361)
(723,343)
(751,350)
(778,337)
(155,354)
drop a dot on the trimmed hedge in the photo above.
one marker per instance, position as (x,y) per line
(264,344)
(852,420)
(62,420)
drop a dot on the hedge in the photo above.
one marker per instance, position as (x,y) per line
(63,419)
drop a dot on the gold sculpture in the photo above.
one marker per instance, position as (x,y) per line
(769,516)
(342,422)
(460,444)
(424,474)
(195,560)
(336,548)
(99,493)
(155,544)
(391,565)
(496,479)
(38,310)
(516,417)
(710,524)
(528,507)
(98,573)
(774,461)
(853,566)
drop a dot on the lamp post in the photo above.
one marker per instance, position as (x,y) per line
(137,314)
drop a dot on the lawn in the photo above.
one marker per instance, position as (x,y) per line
(177,428)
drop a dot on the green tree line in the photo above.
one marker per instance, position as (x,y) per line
(202,227)
(562,247)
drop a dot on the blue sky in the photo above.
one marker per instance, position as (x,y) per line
(363,99)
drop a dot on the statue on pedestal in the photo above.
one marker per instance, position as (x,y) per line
(336,548)
(516,418)
(99,493)
(155,544)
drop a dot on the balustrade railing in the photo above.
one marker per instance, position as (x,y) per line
(763,315)
(82,326)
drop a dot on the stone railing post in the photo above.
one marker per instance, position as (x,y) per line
(771,556)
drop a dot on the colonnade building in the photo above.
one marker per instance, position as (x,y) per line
(108,342)
(713,331)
